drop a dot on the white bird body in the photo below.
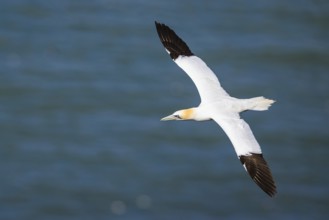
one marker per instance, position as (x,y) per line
(216,104)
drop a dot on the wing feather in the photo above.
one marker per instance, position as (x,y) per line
(239,133)
(204,78)
(259,171)
(248,151)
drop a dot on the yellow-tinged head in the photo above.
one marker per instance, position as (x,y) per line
(185,114)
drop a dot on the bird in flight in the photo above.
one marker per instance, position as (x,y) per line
(216,104)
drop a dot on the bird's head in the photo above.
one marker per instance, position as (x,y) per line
(185,114)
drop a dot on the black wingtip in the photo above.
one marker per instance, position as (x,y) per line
(259,171)
(170,40)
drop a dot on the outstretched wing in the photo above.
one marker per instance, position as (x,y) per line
(248,151)
(203,77)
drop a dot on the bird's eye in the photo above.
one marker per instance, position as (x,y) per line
(177,116)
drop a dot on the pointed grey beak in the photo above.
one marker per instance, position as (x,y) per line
(168,118)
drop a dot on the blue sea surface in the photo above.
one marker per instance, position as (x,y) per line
(83,85)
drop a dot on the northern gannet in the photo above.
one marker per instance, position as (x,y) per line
(216,104)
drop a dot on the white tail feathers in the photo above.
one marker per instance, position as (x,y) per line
(259,103)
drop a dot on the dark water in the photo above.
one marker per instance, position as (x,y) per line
(83,85)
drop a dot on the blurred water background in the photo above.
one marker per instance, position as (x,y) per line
(83,85)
